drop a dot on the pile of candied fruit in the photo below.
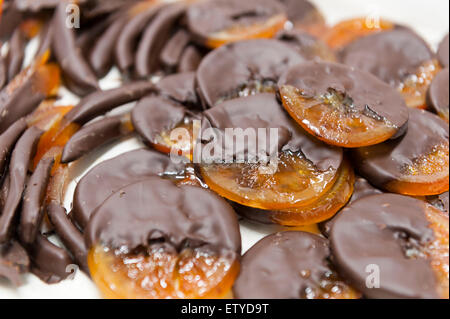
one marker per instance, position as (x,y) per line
(251,112)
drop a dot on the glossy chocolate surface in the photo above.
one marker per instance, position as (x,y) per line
(389,55)
(157,209)
(114,174)
(443,53)
(264,111)
(367,94)
(243,65)
(18,168)
(208,17)
(381,230)
(285,265)
(438,94)
(33,201)
(386,162)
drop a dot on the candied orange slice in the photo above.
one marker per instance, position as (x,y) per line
(332,119)
(415,87)
(165,142)
(437,250)
(265,30)
(159,273)
(349,30)
(57,136)
(427,175)
(324,208)
(51,144)
(295,182)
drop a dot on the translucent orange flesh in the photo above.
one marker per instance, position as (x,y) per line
(294,182)
(47,114)
(444,114)
(325,207)
(331,120)
(347,31)
(265,30)
(47,79)
(415,87)
(31,27)
(330,286)
(160,274)
(165,144)
(57,136)
(428,175)
(438,249)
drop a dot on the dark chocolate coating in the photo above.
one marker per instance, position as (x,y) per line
(283,266)
(154,38)
(3,72)
(440,202)
(10,19)
(98,8)
(75,68)
(33,201)
(181,88)
(315,79)
(126,43)
(101,57)
(154,115)
(190,59)
(171,54)
(108,177)
(4,191)
(100,102)
(310,47)
(17,102)
(443,53)
(38,5)
(93,136)
(438,93)
(14,261)
(49,262)
(264,111)
(362,188)
(16,53)
(298,10)
(69,234)
(45,39)
(90,34)
(8,139)
(389,55)
(384,163)
(371,232)
(240,63)
(125,220)
(205,18)
(18,169)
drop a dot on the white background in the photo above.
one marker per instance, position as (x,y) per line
(429,18)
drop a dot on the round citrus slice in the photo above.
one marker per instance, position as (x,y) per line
(341,105)
(180,249)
